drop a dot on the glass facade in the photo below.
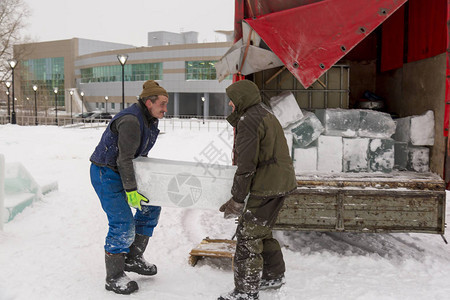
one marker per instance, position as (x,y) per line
(46,73)
(200,70)
(132,72)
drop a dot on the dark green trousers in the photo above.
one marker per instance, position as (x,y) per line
(256,250)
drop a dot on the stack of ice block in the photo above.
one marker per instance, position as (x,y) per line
(339,122)
(365,140)
(353,140)
(375,124)
(355,154)
(286,109)
(381,155)
(356,122)
(412,136)
(305,159)
(416,130)
(306,130)
(329,154)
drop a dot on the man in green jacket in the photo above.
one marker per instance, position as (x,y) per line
(265,175)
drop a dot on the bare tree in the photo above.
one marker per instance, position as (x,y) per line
(13,16)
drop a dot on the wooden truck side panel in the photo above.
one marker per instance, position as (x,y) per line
(330,204)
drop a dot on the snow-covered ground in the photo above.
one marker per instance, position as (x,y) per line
(54,250)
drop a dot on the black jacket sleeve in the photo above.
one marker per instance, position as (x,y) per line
(128,142)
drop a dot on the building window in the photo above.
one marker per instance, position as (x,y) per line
(132,72)
(113,106)
(200,70)
(46,73)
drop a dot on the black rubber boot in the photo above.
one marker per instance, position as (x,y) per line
(116,279)
(237,295)
(134,260)
(273,283)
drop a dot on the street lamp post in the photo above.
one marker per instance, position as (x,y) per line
(55,90)
(35,104)
(27,105)
(71,116)
(7,93)
(123,60)
(106,103)
(82,98)
(203,109)
(8,85)
(13,63)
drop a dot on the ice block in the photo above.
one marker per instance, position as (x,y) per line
(183,184)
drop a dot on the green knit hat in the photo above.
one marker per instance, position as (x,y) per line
(152,88)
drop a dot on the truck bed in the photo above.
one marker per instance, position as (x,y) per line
(366,202)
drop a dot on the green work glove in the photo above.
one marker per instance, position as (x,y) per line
(134,199)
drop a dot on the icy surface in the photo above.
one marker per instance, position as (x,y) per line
(289,140)
(286,109)
(418,159)
(305,159)
(422,129)
(381,155)
(417,129)
(173,183)
(306,130)
(339,122)
(356,122)
(329,154)
(355,154)
(54,250)
(403,130)
(375,124)
(400,155)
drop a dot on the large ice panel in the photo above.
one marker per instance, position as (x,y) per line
(418,159)
(183,184)
(381,155)
(289,140)
(305,160)
(286,109)
(329,154)
(422,129)
(355,154)
(306,130)
(400,155)
(376,124)
(339,122)
(417,130)
(402,130)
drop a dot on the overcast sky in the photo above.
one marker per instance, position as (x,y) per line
(127,21)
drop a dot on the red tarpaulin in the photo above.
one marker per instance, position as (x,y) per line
(252,8)
(447,82)
(310,39)
(426,29)
(392,41)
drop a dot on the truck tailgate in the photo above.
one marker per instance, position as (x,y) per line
(366,202)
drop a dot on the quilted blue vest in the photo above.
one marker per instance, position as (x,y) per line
(106,152)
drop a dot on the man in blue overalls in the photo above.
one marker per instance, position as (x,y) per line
(130,134)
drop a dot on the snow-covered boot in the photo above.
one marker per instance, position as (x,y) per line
(116,279)
(134,260)
(275,283)
(237,295)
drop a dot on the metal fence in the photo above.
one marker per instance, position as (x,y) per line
(169,123)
